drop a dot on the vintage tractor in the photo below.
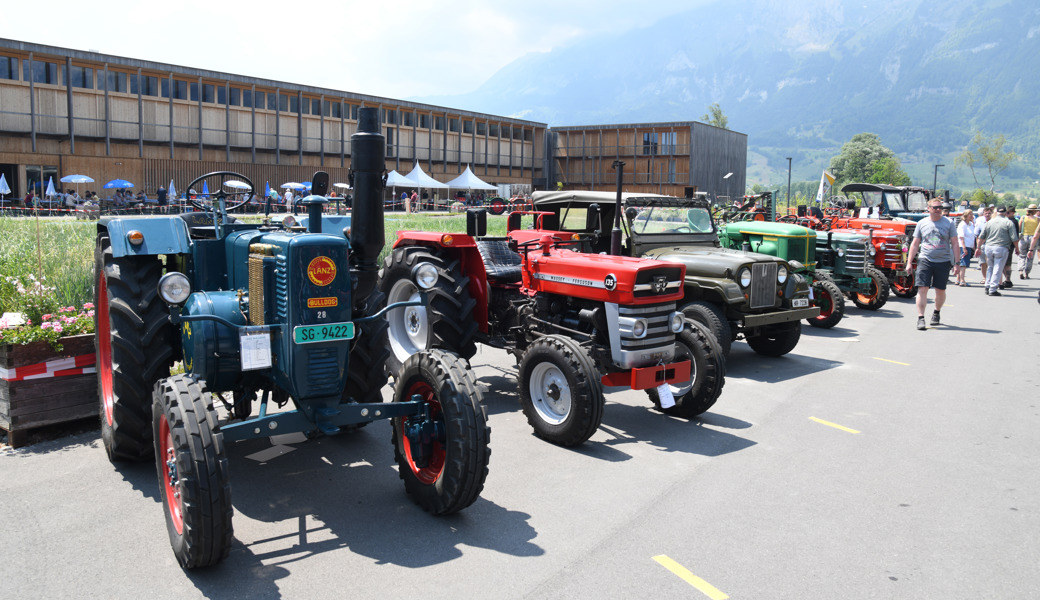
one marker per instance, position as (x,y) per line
(574,322)
(736,294)
(890,235)
(287,312)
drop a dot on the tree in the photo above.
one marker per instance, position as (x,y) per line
(864,158)
(989,153)
(716,117)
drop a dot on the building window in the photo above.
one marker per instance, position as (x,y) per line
(337,109)
(149,86)
(493,129)
(528,135)
(78,77)
(306,106)
(668,140)
(424,121)
(408,119)
(194,95)
(438,123)
(453,125)
(294,104)
(208,93)
(390,116)
(116,82)
(221,94)
(389,142)
(353,111)
(481,128)
(283,102)
(40,72)
(8,67)
(671,170)
(650,144)
(467,127)
(235,97)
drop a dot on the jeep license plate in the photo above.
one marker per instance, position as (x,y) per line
(864,280)
(308,334)
(800,302)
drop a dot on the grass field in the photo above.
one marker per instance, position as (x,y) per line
(60,251)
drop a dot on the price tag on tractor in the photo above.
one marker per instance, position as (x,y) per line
(255,343)
(308,334)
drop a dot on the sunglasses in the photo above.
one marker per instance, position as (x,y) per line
(934,207)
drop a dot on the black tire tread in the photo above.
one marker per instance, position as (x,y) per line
(586,391)
(714,318)
(882,285)
(831,289)
(776,340)
(711,371)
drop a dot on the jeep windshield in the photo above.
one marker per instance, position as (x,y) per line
(893,201)
(649,220)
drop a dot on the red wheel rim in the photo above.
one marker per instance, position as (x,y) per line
(826,305)
(432,471)
(104,347)
(868,298)
(169,475)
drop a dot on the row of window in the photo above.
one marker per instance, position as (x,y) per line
(149,85)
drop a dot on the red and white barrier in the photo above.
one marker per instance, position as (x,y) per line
(61,367)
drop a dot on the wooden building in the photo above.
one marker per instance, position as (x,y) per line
(662,158)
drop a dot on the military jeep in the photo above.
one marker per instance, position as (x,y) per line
(736,294)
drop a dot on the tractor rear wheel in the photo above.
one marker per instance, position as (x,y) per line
(366,367)
(707,373)
(194,481)
(877,296)
(711,316)
(497,206)
(905,286)
(560,391)
(831,302)
(776,340)
(135,345)
(446,323)
(444,462)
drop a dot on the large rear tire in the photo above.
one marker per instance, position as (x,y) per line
(832,304)
(776,340)
(194,481)
(135,344)
(444,469)
(707,373)
(711,316)
(877,295)
(446,323)
(366,368)
(560,391)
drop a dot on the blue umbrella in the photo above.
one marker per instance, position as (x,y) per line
(117,184)
(205,190)
(77,179)
(4,188)
(267,189)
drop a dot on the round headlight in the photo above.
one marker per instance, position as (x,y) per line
(289,221)
(745,277)
(677,322)
(174,288)
(841,252)
(425,275)
(639,328)
(872,250)
(781,274)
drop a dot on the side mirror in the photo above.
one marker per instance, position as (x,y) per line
(594,218)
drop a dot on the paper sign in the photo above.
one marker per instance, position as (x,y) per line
(255,344)
(664,392)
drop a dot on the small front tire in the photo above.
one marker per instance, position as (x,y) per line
(707,373)
(560,391)
(832,304)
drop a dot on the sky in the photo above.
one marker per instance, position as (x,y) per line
(390,48)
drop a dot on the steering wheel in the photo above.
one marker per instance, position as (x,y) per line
(787,219)
(220,193)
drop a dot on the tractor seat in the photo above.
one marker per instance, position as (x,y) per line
(501,263)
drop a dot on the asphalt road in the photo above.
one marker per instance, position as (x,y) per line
(875,461)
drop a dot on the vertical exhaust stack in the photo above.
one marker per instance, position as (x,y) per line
(367,160)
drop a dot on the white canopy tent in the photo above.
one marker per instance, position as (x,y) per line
(468,181)
(425,181)
(395,179)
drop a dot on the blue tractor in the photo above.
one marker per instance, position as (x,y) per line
(285,317)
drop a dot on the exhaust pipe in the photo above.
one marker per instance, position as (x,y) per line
(367,164)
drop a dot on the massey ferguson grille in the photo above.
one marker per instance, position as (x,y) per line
(323,371)
(654,282)
(856,259)
(659,343)
(256,289)
(763,285)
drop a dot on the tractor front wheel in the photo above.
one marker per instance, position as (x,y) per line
(776,340)
(560,391)
(442,456)
(877,295)
(194,481)
(832,304)
(707,373)
(905,286)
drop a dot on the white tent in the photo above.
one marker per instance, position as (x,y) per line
(468,181)
(420,178)
(395,179)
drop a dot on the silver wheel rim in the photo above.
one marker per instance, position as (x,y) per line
(550,393)
(682,353)
(409,328)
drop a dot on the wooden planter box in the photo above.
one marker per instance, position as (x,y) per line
(32,403)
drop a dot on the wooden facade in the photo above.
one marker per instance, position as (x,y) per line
(662,158)
(68,112)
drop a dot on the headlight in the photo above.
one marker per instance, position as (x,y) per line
(677,321)
(871,250)
(289,222)
(841,252)
(174,288)
(425,275)
(781,274)
(744,275)
(632,328)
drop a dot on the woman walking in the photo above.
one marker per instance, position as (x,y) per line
(966,239)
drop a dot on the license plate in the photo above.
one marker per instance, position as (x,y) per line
(864,280)
(800,302)
(308,334)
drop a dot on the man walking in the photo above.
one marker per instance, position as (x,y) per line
(980,222)
(936,238)
(998,235)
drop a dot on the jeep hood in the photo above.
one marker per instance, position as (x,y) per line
(709,261)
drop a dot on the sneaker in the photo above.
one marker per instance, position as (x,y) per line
(935,318)
(1008,285)
(995,293)
(1002,285)
(920,324)
(1021,275)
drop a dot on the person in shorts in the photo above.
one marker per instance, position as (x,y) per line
(936,238)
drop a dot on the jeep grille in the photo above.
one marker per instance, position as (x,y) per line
(763,285)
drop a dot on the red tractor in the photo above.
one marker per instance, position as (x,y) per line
(575,322)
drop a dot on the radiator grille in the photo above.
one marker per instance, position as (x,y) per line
(763,285)
(256,289)
(856,259)
(323,371)
(281,290)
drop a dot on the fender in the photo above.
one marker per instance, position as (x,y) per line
(161,236)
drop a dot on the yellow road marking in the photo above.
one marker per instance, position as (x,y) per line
(702,586)
(891,361)
(834,425)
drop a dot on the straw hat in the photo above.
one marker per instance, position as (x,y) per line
(1031,207)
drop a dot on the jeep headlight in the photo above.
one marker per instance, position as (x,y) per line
(745,277)
(781,274)
(174,288)
(425,275)
(677,321)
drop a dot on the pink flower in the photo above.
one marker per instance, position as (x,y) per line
(57,328)
(47,317)
(88,305)
(46,325)
(90,313)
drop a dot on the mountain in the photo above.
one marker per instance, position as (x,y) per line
(801,77)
